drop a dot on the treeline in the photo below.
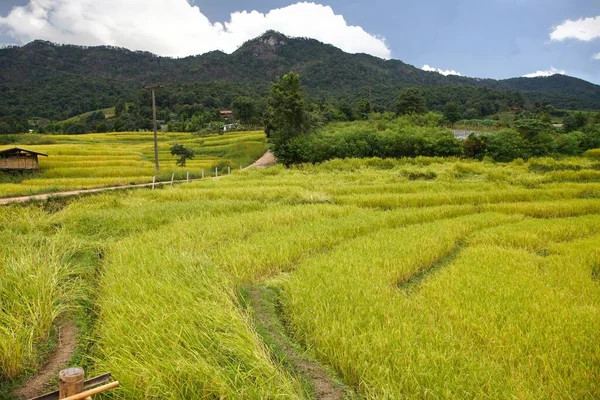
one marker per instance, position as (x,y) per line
(407,137)
(411,131)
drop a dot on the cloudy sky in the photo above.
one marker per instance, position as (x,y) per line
(478,38)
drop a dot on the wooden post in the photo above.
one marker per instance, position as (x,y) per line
(228,170)
(152,88)
(188,176)
(216,172)
(70,382)
(172,178)
(153,182)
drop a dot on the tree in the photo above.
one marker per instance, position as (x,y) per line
(244,109)
(363,109)
(573,122)
(4,128)
(183,152)
(347,111)
(120,107)
(411,101)
(452,112)
(288,117)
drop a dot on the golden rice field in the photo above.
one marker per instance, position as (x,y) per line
(95,160)
(423,279)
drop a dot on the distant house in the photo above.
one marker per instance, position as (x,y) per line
(226,115)
(17,159)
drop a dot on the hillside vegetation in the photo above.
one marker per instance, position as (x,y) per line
(57,82)
(416,278)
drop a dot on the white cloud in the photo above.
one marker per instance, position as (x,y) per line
(549,72)
(176,28)
(585,29)
(444,72)
(596,56)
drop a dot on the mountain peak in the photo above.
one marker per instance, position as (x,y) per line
(273,39)
(265,46)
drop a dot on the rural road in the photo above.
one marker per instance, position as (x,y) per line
(266,160)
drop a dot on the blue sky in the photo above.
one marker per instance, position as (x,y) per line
(478,38)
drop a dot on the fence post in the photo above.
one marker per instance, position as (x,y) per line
(188,176)
(70,382)
(172,179)
(216,172)
(153,182)
(228,170)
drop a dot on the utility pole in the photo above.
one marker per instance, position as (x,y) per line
(152,88)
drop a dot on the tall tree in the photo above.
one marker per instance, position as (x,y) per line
(363,109)
(452,112)
(411,101)
(288,118)
(244,109)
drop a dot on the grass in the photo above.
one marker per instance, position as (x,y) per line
(96,160)
(420,278)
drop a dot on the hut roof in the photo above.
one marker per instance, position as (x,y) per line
(17,150)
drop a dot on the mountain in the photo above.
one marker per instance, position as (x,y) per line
(43,79)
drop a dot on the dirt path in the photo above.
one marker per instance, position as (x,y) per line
(45,196)
(67,341)
(264,303)
(265,161)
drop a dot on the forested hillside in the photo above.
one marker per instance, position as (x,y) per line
(55,82)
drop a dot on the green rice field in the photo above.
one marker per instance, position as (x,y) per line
(422,278)
(96,160)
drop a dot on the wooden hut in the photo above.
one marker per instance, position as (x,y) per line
(17,159)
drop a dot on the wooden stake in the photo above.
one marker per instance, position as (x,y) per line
(70,382)
(216,172)
(153,182)
(188,176)
(228,170)
(172,179)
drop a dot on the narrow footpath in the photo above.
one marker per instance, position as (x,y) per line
(266,160)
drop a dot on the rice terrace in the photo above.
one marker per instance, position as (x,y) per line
(218,226)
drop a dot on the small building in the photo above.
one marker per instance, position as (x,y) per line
(17,159)
(226,115)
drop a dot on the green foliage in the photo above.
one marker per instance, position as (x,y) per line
(183,153)
(288,117)
(571,144)
(4,128)
(411,101)
(474,147)
(245,110)
(531,127)
(452,112)
(573,122)
(399,138)
(505,145)
(363,109)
